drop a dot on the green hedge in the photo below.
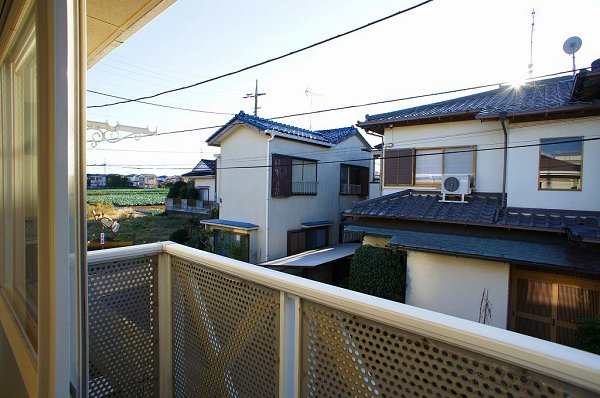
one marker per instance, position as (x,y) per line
(376,271)
(587,337)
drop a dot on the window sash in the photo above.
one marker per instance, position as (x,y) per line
(560,164)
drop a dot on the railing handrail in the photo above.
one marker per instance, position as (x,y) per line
(120,253)
(561,362)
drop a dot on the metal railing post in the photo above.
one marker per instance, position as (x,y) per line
(165,343)
(289,346)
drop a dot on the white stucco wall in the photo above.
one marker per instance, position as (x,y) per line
(242,191)
(203,182)
(244,196)
(523,165)
(454,285)
(484,135)
(289,213)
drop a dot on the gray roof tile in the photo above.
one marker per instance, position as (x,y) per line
(332,136)
(204,167)
(480,209)
(534,96)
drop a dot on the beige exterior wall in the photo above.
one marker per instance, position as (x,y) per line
(523,165)
(488,166)
(454,285)
(377,241)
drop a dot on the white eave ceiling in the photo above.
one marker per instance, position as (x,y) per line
(111,22)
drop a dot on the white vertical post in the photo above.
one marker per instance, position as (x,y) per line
(289,345)
(165,344)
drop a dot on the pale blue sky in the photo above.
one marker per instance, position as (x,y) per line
(444,45)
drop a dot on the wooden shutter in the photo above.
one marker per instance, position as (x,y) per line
(398,166)
(281,176)
(296,242)
(363,180)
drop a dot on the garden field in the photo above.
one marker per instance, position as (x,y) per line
(128,197)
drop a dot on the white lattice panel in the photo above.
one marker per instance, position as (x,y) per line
(123,328)
(225,335)
(347,356)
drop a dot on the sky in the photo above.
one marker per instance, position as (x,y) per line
(443,45)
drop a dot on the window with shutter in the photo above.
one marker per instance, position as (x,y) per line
(281,176)
(398,166)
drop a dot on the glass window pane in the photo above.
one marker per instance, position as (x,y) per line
(458,161)
(428,166)
(297,166)
(560,163)
(310,171)
(20,194)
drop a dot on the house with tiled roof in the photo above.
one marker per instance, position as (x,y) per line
(492,202)
(281,189)
(204,175)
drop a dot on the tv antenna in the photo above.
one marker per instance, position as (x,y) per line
(307,93)
(571,46)
(531,44)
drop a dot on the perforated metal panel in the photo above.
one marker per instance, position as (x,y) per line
(349,356)
(225,335)
(123,328)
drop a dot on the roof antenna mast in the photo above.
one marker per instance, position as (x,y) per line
(531,44)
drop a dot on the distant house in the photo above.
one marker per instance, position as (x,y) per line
(204,176)
(281,189)
(516,231)
(147,181)
(96,181)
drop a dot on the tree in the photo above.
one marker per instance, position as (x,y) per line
(117,181)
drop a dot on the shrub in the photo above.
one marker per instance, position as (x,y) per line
(183,192)
(587,337)
(377,272)
(200,237)
(174,190)
(179,236)
(192,193)
(213,213)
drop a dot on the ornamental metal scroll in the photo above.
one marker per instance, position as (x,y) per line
(103,131)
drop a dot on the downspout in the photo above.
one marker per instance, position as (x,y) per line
(267,191)
(502,116)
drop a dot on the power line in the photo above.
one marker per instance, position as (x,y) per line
(160,105)
(470,150)
(371,103)
(266,61)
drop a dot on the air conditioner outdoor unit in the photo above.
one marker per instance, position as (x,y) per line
(456,184)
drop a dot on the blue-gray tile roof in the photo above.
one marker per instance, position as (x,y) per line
(566,256)
(480,209)
(332,136)
(204,167)
(535,96)
(229,223)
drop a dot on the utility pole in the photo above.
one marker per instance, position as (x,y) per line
(255,96)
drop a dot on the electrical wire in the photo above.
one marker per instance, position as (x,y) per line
(414,155)
(161,105)
(270,60)
(369,103)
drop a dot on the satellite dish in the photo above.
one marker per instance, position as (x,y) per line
(572,45)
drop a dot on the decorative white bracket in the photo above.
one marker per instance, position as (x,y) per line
(103,131)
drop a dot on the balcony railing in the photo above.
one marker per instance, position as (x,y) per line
(167,320)
(353,189)
(304,188)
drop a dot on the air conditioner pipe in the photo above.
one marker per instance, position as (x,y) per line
(502,117)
